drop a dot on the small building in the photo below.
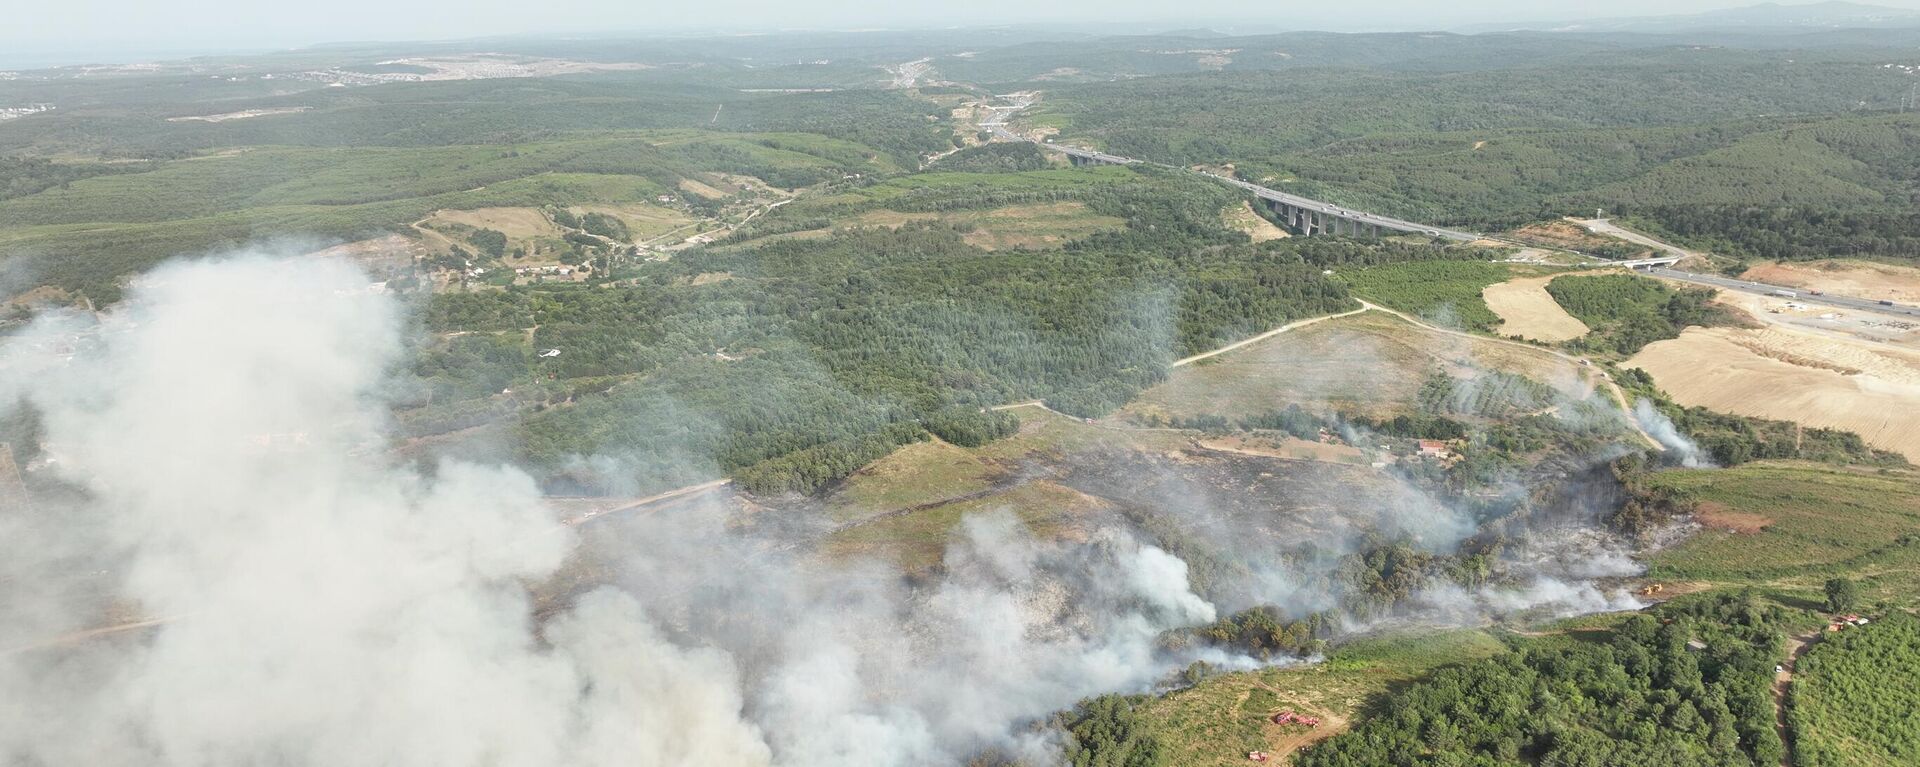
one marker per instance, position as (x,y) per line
(1433,448)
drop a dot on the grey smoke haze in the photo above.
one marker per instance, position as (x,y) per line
(100,28)
(225,432)
(327,608)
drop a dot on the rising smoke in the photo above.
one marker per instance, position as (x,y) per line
(223,434)
(1663,430)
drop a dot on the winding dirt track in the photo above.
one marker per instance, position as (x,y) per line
(1619,397)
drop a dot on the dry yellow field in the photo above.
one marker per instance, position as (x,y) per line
(1528,311)
(643,220)
(1246,220)
(1370,363)
(1859,279)
(1041,225)
(516,223)
(1780,373)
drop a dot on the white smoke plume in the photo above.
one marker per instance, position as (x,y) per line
(1663,430)
(223,432)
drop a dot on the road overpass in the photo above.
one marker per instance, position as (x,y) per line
(1646,263)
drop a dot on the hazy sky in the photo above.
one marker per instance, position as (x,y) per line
(142,27)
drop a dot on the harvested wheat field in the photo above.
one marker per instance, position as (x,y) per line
(1528,311)
(1793,376)
(1843,277)
(515,223)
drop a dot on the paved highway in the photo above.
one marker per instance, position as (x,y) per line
(999,128)
(1384,222)
(1607,227)
(1801,295)
(1601,226)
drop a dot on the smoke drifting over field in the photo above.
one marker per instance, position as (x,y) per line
(1661,428)
(225,431)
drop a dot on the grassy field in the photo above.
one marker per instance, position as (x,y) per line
(1445,293)
(1037,225)
(1219,720)
(915,543)
(1815,522)
(922,472)
(1371,364)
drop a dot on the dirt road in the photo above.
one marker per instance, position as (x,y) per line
(1269,334)
(1610,229)
(1796,647)
(1619,396)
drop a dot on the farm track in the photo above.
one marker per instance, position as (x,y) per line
(1619,395)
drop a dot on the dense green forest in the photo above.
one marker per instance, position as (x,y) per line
(815,356)
(996,158)
(1627,311)
(1730,148)
(1642,697)
(491,112)
(1853,699)
(89,233)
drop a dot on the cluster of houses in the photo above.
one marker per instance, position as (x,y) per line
(9,113)
(544,271)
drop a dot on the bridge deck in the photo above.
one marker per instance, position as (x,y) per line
(1324,208)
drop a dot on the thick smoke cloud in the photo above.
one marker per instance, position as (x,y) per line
(224,433)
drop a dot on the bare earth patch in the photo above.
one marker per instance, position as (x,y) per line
(241,115)
(1841,277)
(1563,234)
(1246,220)
(392,250)
(1528,311)
(1779,373)
(1717,516)
(1042,225)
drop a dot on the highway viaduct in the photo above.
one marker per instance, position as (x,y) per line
(1303,215)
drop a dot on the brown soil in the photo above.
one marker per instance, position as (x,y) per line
(1858,279)
(1246,220)
(1716,516)
(1563,234)
(1781,373)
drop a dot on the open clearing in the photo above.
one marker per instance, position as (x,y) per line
(1564,234)
(1246,220)
(1371,364)
(643,220)
(1786,374)
(1843,277)
(1528,311)
(518,224)
(1793,525)
(1044,225)
(1220,720)
(241,115)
